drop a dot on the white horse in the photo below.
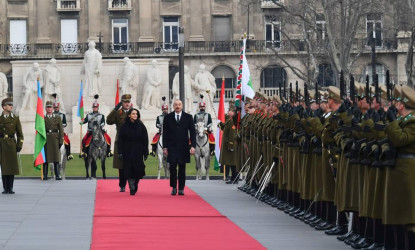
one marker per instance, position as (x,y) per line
(202,151)
(162,159)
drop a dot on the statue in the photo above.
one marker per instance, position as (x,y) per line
(129,79)
(91,67)
(52,77)
(3,86)
(151,87)
(204,80)
(30,87)
(189,84)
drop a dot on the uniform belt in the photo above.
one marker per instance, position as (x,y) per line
(6,136)
(52,131)
(406,156)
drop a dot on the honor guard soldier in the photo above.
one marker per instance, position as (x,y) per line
(11,142)
(66,141)
(54,141)
(117,117)
(207,119)
(159,125)
(90,118)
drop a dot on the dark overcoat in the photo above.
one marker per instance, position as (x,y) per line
(133,145)
(11,139)
(117,117)
(176,137)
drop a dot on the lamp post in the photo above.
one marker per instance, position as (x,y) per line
(181,65)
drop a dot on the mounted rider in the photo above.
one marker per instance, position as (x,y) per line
(207,119)
(90,119)
(66,141)
(159,125)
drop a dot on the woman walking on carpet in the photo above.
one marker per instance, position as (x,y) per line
(133,148)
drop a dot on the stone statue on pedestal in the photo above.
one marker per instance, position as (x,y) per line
(152,87)
(91,67)
(3,86)
(204,80)
(30,87)
(52,77)
(129,80)
(189,86)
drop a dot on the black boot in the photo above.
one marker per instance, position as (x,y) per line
(153,149)
(57,171)
(5,184)
(109,153)
(69,156)
(45,171)
(131,184)
(10,183)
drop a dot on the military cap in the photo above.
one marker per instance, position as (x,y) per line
(126,98)
(408,97)
(396,93)
(247,100)
(49,104)
(334,93)
(7,101)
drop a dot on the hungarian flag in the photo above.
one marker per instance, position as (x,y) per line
(40,137)
(244,86)
(219,132)
(81,103)
(117,95)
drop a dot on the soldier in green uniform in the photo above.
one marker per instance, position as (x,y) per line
(117,117)
(228,151)
(54,141)
(11,142)
(399,208)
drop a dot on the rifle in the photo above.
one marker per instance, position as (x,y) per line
(342,94)
(291,93)
(317,97)
(285,92)
(388,86)
(306,97)
(279,92)
(352,90)
(377,90)
(297,92)
(367,90)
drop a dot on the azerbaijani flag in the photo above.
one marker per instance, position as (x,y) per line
(81,103)
(219,132)
(40,137)
(117,95)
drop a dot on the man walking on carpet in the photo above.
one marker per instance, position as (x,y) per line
(177,127)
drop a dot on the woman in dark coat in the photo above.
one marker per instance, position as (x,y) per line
(133,148)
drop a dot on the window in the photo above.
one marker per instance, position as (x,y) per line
(272,32)
(18,43)
(69,36)
(120,35)
(374,29)
(273,77)
(321,27)
(171,33)
(221,26)
(228,73)
(326,76)
(380,70)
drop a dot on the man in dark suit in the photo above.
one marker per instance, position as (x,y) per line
(177,127)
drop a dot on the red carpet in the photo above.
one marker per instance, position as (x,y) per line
(153,219)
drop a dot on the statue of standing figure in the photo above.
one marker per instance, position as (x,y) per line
(91,67)
(3,86)
(189,86)
(129,80)
(205,81)
(152,87)
(52,77)
(30,87)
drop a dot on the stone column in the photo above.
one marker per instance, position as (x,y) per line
(196,18)
(43,16)
(94,20)
(145,22)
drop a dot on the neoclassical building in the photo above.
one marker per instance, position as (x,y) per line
(213,31)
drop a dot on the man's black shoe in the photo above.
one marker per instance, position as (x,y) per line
(173,191)
(354,239)
(364,243)
(59,178)
(122,189)
(375,246)
(5,192)
(338,230)
(325,227)
(11,191)
(346,236)
(181,192)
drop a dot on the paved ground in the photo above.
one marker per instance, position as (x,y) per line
(58,215)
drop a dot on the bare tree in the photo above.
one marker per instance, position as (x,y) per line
(410,19)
